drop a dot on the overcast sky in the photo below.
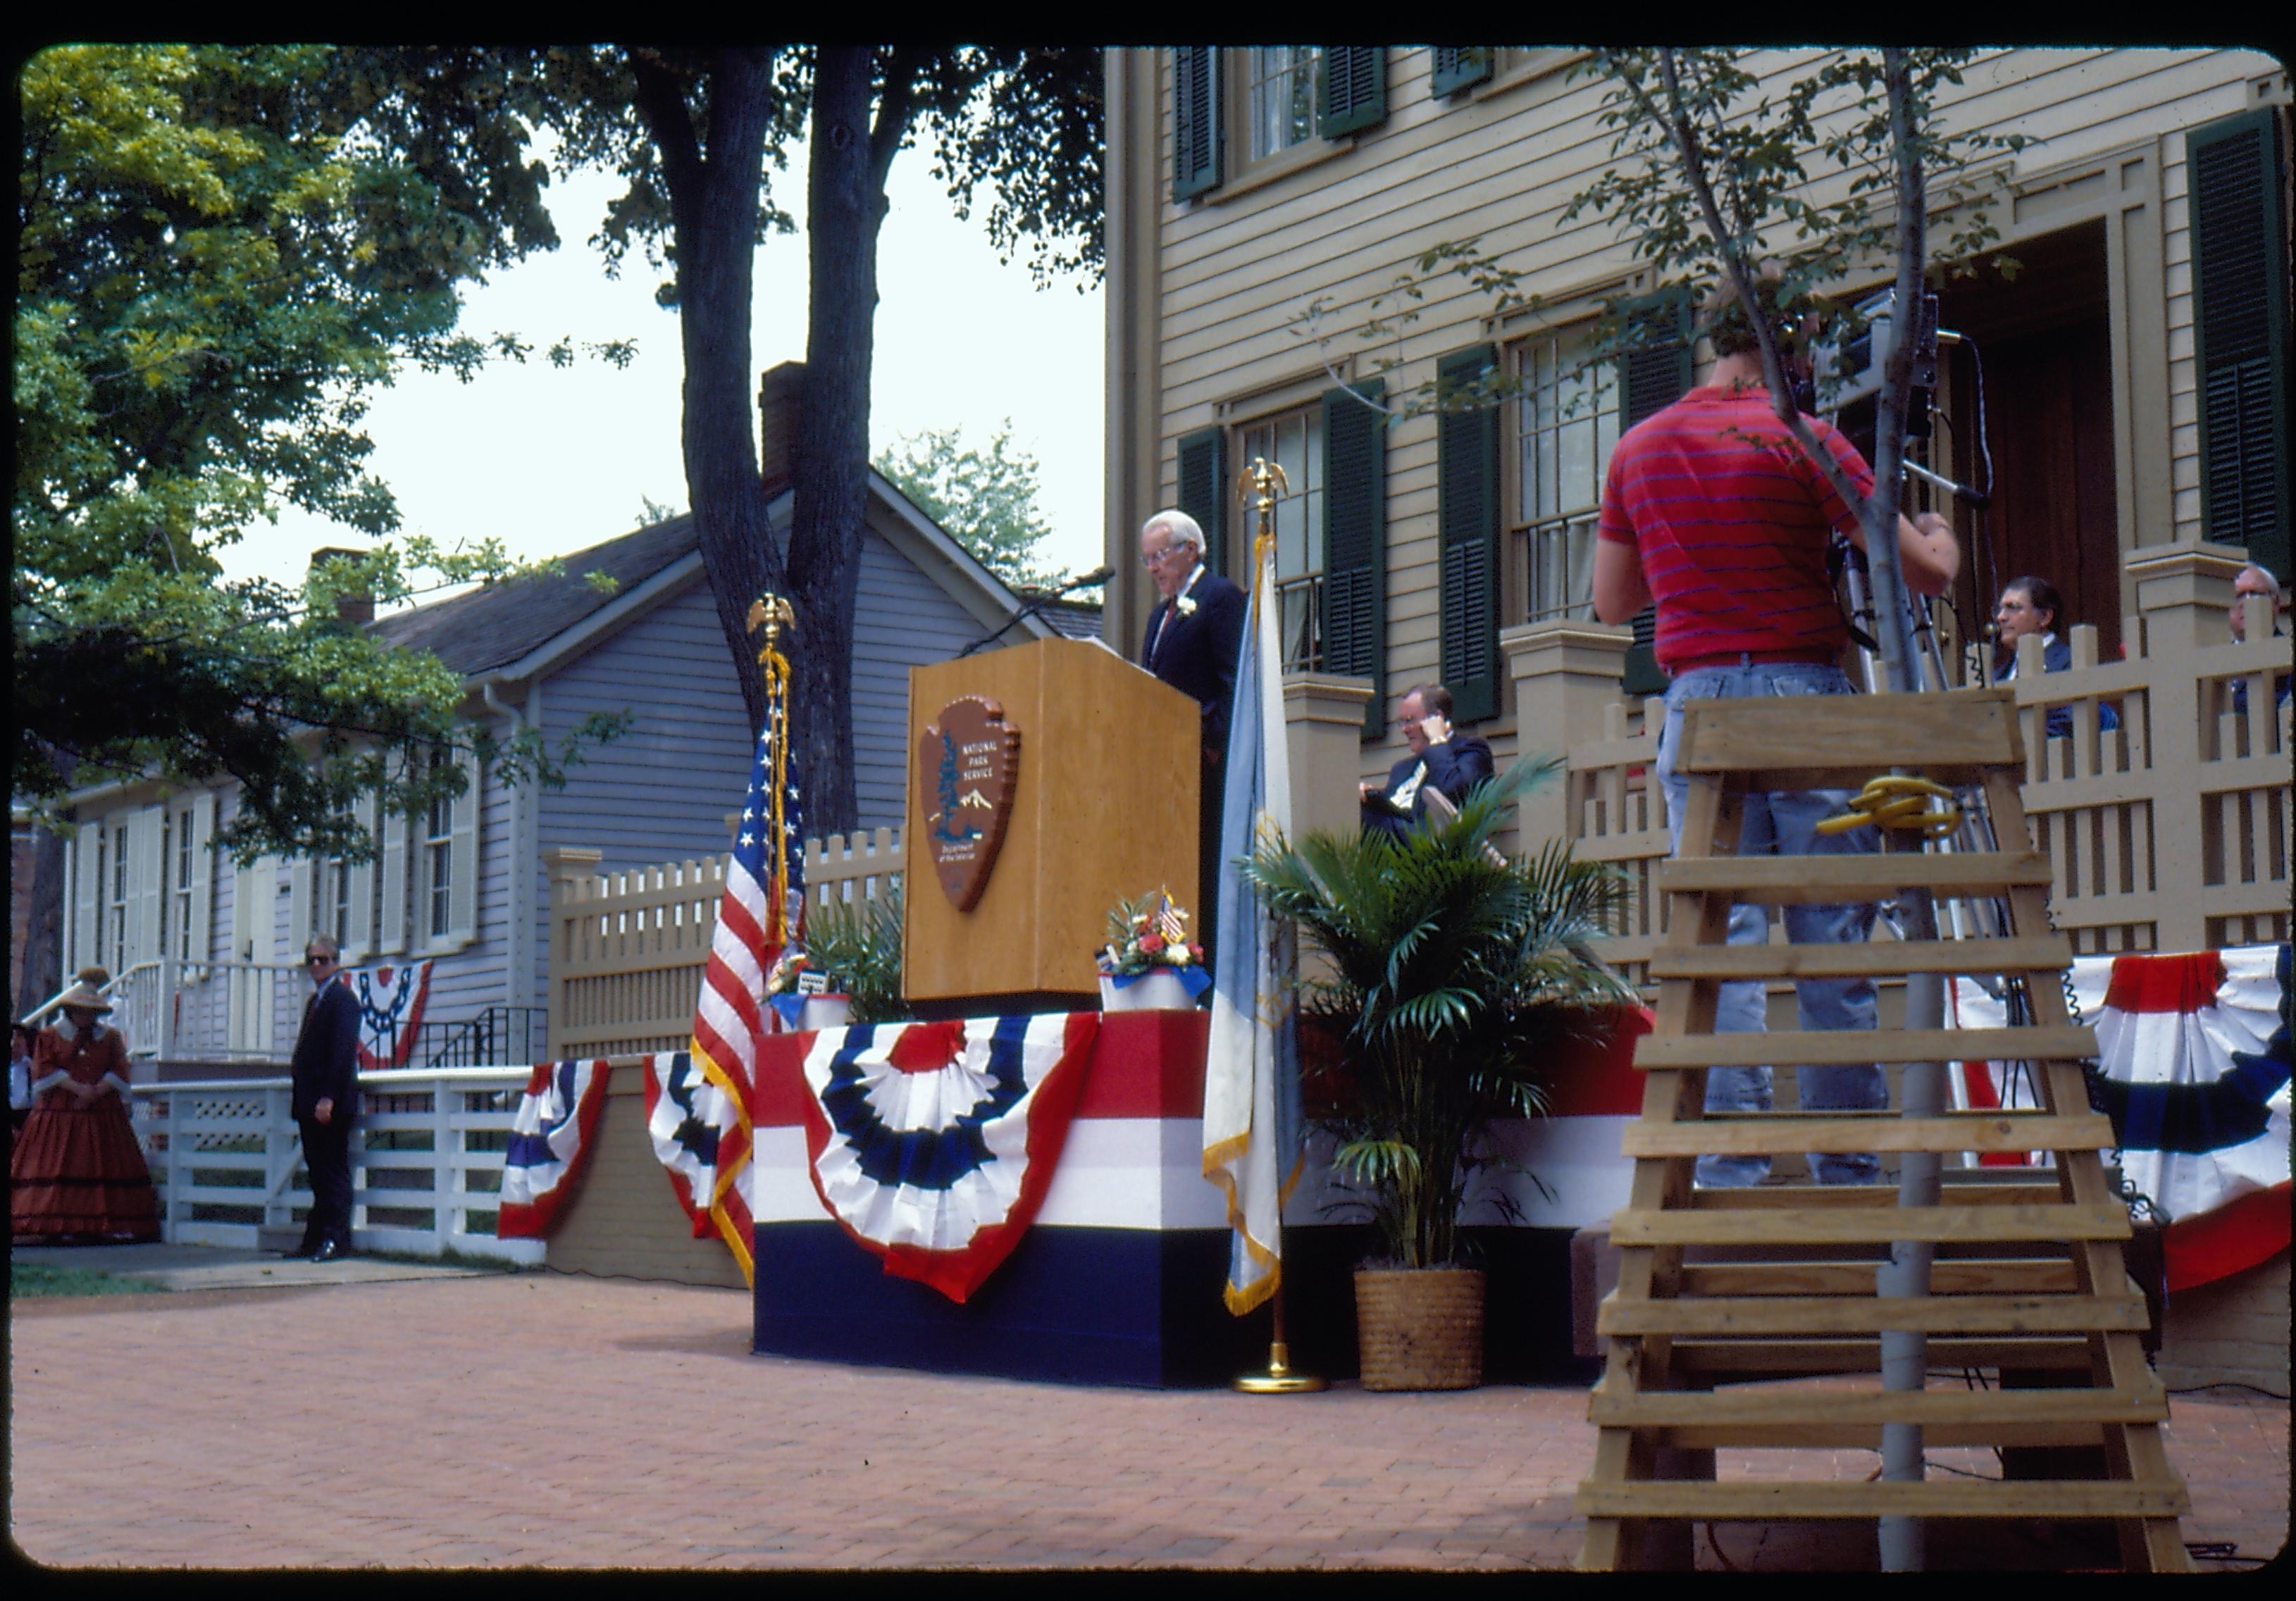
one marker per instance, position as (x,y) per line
(552,460)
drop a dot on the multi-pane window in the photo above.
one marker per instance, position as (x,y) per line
(1566,423)
(438,857)
(114,880)
(1293,441)
(1280,96)
(185,864)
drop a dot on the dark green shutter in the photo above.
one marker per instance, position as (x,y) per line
(1460,66)
(1204,490)
(1355,543)
(1195,120)
(2241,338)
(1351,88)
(1467,496)
(1652,375)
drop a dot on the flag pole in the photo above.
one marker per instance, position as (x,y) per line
(1260,481)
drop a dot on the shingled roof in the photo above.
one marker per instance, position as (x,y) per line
(500,623)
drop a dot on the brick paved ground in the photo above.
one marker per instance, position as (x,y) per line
(544,1419)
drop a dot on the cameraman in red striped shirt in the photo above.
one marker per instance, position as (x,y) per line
(1711,509)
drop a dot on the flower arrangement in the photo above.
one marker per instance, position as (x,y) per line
(796,973)
(1147,933)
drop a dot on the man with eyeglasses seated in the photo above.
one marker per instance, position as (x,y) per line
(1440,761)
(1195,634)
(326,1099)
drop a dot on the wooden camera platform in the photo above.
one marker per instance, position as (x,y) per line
(2029,1278)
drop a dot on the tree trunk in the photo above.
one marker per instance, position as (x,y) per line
(845,207)
(43,953)
(714,204)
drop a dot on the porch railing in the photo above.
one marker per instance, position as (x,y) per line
(629,949)
(426,1161)
(2172,832)
(497,1036)
(215,1011)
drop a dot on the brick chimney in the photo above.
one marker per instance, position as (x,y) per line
(357,610)
(779,394)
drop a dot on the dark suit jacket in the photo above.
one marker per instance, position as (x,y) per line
(1455,767)
(326,1051)
(2057,656)
(1196,654)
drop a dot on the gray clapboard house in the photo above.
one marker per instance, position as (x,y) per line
(205,950)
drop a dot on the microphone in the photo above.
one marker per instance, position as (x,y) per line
(1043,598)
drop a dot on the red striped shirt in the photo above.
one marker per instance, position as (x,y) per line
(1730,520)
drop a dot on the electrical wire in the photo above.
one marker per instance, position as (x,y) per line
(2230,1384)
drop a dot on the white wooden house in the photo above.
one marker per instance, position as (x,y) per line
(205,951)
(2136,371)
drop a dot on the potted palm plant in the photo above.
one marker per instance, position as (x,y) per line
(859,946)
(1453,974)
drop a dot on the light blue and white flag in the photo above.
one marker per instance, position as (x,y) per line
(1251,1073)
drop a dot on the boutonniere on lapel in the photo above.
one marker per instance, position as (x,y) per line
(1185,605)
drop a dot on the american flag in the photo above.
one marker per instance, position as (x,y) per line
(1167,921)
(761,911)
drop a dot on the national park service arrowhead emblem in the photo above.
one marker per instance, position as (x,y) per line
(968,765)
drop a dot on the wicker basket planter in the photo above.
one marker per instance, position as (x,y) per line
(1420,1328)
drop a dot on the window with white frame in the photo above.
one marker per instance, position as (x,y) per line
(437,856)
(1566,420)
(1294,442)
(186,863)
(119,904)
(332,881)
(1279,96)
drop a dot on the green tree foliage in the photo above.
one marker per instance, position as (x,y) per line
(221,253)
(692,130)
(985,499)
(1711,170)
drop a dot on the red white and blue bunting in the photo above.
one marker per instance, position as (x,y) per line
(550,1141)
(2195,1058)
(932,1143)
(390,1001)
(688,1115)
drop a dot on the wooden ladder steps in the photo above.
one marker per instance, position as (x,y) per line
(1779,1284)
(1818,1048)
(1769,1358)
(1870,1314)
(1684,1408)
(1857,1225)
(1780,1500)
(2047,953)
(1788,880)
(1869,1131)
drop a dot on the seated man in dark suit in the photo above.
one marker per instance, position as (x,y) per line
(1440,759)
(2033,606)
(1194,637)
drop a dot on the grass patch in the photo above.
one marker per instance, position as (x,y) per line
(27,1279)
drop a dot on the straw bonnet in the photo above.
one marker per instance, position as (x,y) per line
(86,991)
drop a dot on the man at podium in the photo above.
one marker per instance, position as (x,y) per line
(1195,633)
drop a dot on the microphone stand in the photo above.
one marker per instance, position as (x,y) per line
(1032,609)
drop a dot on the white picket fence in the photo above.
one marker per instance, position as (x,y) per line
(426,1160)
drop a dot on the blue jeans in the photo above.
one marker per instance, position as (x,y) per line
(1782,823)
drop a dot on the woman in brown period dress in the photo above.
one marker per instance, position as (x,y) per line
(76,1173)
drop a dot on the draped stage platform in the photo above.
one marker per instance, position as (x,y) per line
(1119,1279)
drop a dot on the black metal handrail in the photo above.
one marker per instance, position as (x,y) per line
(496,1036)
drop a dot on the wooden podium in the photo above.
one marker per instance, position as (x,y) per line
(1104,807)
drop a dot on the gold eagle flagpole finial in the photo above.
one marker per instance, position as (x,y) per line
(1259,485)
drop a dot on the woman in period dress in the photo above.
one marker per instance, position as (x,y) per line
(76,1173)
